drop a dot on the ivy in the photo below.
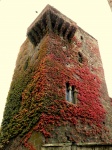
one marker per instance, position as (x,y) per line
(37,96)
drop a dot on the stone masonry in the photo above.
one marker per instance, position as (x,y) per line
(58,99)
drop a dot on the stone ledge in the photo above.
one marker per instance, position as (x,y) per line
(57,145)
(74,144)
(49,20)
(93,144)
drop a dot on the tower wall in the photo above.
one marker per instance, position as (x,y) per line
(57,59)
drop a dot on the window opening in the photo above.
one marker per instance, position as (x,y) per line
(80,58)
(71,93)
(81,37)
(75,96)
(67,91)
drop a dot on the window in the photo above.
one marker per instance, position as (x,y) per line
(81,37)
(71,93)
(67,91)
(80,58)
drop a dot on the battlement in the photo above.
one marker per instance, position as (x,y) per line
(49,20)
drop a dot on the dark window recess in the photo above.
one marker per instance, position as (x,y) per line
(67,91)
(80,58)
(71,93)
(81,37)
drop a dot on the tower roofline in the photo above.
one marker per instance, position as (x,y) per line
(50,19)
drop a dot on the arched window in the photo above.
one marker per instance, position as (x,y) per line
(71,93)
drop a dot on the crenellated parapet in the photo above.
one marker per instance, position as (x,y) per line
(51,20)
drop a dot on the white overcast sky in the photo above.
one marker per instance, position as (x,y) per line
(94,16)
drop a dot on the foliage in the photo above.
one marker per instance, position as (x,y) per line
(37,97)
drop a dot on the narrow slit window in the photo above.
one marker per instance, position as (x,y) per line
(72,93)
(67,91)
(81,37)
(80,58)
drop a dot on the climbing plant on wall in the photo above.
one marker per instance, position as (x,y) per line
(37,96)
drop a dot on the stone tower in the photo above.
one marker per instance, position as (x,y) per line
(58,97)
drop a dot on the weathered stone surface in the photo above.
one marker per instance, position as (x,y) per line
(50,20)
(37,140)
(94,147)
(110,3)
(38,116)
